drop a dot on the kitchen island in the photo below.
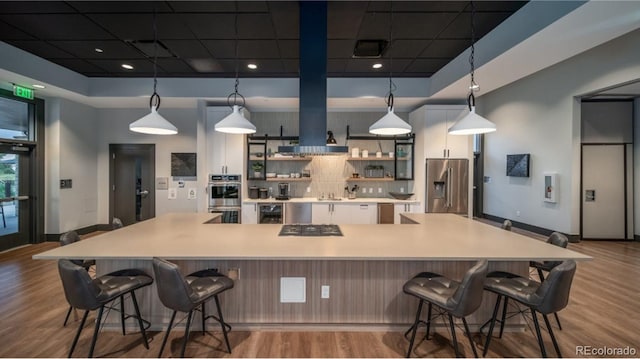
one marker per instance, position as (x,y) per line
(365,269)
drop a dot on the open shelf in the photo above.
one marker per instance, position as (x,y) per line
(370,179)
(289,179)
(374,158)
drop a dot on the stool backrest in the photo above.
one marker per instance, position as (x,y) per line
(173,291)
(68,238)
(556,239)
(506,225)
(468,296)
(554,291)
(79,289)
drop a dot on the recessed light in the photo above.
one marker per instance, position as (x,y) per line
(98,50)
(127,66)
(252,66)
(38,86)
(377,66)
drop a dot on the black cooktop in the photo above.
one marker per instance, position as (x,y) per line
(308,230)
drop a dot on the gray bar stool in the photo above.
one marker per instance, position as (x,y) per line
(186,294)
(88,294)
(116,223)
(68,238)
(545,298)
(456,299)
(506,225)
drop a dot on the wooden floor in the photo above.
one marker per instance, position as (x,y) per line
(602,312)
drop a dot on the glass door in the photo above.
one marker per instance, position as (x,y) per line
(15,224)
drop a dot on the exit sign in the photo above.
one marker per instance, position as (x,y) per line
(23,92)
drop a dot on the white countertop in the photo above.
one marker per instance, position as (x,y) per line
(342,200)
(436,237)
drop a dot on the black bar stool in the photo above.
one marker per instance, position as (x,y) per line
(456,299)
(84,293)
(544,298)
(68,238)
(186,294)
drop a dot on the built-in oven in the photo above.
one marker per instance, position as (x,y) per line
(225,196)
(270,213)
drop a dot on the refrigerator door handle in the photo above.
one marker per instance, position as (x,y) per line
(449,183)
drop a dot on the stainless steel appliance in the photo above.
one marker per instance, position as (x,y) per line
(270,213)
(447,186)
(308,230)
(297,213)
(283,191)
(225,196)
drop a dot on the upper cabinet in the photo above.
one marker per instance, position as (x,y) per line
(225,152)
(431,124)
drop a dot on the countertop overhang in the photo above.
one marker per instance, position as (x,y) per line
(342,200)
(185,236)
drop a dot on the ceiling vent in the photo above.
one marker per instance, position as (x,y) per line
(369,49)
(147,47)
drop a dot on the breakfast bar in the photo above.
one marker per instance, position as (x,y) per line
(365,268)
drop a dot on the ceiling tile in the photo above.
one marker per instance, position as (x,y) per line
(221,49)
(285,16)
(57,27)
(445,48)
(211,26)
(114,66)
(262,49)
(263,66)
(205,65)
(344,18)
(365,66)
(8,32)
(336,66)
(291,67)
(289,49)
(112,49)
(417,6)
(426,65)
(120,7)
(420,25)
(187,48)
(255,26)
(34,7)
(203,6)
(484,22)
(337,49)
(406,48)
(79,66)
(42,49)
(497,6)
(140,26)
(174,66)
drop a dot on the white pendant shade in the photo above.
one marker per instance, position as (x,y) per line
(153,124)
(472,124)
(235,123)
(390,124)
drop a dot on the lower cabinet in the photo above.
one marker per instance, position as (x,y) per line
(250,213)
(344,213)
(403,208)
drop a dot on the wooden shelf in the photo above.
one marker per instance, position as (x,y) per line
(289,158)
(370,179)
(289,179)
(374,158)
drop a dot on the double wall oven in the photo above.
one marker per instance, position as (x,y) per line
(225,196)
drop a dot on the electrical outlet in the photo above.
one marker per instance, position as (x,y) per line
(325,290)
(401,189)
(308,189)
(370,189)
(364,190)
(233,273)
(379,189)
(517,213)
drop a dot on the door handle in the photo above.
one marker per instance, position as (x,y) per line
(21,198)
(142,193)
(449,182)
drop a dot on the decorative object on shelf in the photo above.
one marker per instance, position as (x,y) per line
(373,171)
(400,195)
(235,123)
(390,124)
(472,123)
(154,123)
(331,141)
(401,153)
(257,169)
(355,152)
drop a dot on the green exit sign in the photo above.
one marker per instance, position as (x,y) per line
(23,92)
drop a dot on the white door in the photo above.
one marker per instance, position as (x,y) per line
(321,213)
(250,213)
(603,192)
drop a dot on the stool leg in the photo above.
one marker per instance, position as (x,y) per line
(415,329)
(122,314)
(186,334)
(75,339)
(222,323)
(428,320)
(493,324)
(96,331)
(553,337)
(504,316)
(473,345)
(203,319)
(453,336)
(558,320)
(166,335)
(66,319)
(539,335)
(135,306)
(540,275)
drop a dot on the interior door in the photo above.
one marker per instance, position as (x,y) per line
(603,192)
(132,182)
(15,200)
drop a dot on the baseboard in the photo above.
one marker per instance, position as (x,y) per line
(573,238)
(636,237)
(52,237)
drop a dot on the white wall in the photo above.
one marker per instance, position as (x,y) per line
(636,165)
(540,115)
(113,126)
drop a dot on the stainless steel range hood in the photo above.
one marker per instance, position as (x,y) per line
(313,83)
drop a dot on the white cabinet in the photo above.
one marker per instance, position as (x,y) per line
(250,213)
(431,124)
(225,152)
(344,213)
(404,208)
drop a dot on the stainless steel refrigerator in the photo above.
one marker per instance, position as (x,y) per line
(447,186)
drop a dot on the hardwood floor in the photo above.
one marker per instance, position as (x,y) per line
(602,312)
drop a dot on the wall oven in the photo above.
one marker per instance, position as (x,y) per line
(225,196)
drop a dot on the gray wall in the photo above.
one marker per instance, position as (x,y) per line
(636,165)
(541,115)
(607,122)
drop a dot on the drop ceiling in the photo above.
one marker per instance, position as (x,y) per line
(198,37)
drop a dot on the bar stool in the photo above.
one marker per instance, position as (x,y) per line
(186,294)
(506,225)
(556,239)
(456,299)
(116,223)
(545,298)
(68,238)
(84,293)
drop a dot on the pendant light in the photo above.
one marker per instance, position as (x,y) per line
(235,123)
(154,123)
(390,124)
(472,123)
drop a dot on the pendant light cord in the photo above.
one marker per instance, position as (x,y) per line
(235,93)
(471,100)
(155,97)
(392,86)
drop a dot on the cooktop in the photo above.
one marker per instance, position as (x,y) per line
(310,230)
